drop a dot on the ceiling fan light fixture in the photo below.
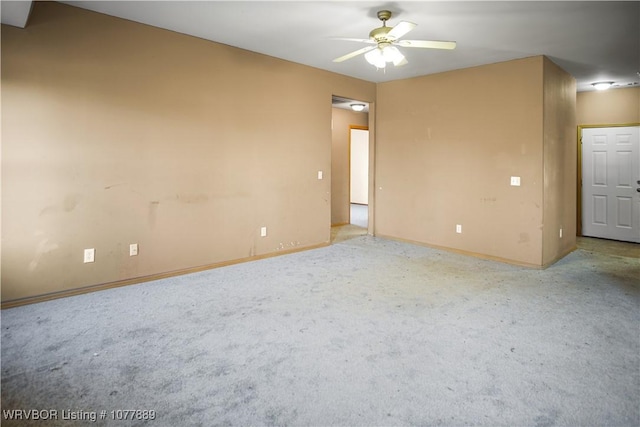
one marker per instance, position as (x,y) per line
(376,58)
(602,85)
(392,54)
(357,107)
(383,54)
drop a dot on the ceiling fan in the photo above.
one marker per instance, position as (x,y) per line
(385,40)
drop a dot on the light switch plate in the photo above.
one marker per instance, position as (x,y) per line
(515,181)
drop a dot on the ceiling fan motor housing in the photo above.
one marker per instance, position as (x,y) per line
(380,34)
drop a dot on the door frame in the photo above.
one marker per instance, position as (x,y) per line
(579,180)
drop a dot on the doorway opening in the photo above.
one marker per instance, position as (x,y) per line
(352,209)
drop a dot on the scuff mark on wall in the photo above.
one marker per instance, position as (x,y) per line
(43,247)
(71,201)
(109,187)
(153,213)
(283,246)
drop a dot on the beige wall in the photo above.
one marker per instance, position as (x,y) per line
(560,154)
(342,120)
(447,145)
(116,133)
(614,106)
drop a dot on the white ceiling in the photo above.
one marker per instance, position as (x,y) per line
(593,40)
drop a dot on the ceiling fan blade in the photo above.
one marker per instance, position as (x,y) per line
(428,44)
(401,29)
(370,41)
(354,53)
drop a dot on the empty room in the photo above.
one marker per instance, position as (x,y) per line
(320,213)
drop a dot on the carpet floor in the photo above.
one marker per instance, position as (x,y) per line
(365,332)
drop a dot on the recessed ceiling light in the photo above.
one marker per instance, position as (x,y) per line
(602,85)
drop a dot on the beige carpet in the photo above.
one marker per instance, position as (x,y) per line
(365,332)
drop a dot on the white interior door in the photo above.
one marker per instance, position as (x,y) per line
(359,166)
(611,183)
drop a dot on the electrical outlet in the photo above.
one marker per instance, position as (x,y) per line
(263,232)
(515,181)
(89,255)
(458,228)
(133,249)
(319,174)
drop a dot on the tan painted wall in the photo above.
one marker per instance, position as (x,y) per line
(342,119)
(116,133)
(614,106)
(447,145)
(560,154)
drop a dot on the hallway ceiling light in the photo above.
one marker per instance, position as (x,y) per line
(602,85)
(357,107)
